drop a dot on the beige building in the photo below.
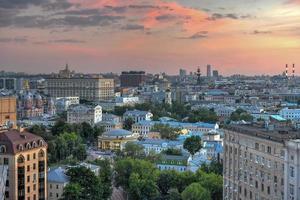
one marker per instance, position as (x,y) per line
(254,162)
(91,88)
(8,112)
(25,154)
(115,139)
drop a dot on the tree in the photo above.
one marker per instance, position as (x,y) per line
(166,132)
(125,167)
(170,151)
(80,152)
(212,182)
(213,167)
(167,180)
(173,194)
(92,188)
(192,144)
(195,192)
(203,115)
(240,114)
(142,188)
(133,150)
(72,191)
(61,127)
(128,123)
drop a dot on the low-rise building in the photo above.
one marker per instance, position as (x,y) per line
(57,180)
(115,139)
(84,113)
(173,162)
(291,114)
(63,103)
(138,115)
(159,145)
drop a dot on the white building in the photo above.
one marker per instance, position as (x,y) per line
(138,115)
(62,103)
(123,101)
(159,145)
(84,113)
(291,114)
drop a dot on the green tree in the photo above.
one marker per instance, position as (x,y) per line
(203,115)
(167,180)
(125,167)
(72,191)
(127,125)
(195,192)
(80,152)
(240,114)
(212,182)
(142,188)
(61,127)
(173,194)
(92,188)
(213,167)
(166,132)
(192,144)
(133,150)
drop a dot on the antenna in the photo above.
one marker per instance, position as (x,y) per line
(293,70)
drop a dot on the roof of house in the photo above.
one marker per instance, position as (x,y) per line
(58,175)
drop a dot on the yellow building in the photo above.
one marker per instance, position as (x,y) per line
(8,112)
(115,139)
(25,157)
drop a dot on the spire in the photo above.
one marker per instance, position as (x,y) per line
(67,67)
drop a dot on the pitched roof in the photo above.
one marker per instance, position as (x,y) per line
(58,175)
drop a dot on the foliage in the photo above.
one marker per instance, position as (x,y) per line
(203,115)
(72,191)
(214,167)
(133,150)
(166,132)
(192,144)
(167,180)
(92,189)
(212,182)
(127,124)
(170,151)
(240,114)
(195,192)
(125,167)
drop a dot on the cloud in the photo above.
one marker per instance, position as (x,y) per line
(15,39)
(165,17)
(257,32)
(20,4)
(74,41)
(217,16)
(198,35)
(292,2)
(58,5)
(133,27)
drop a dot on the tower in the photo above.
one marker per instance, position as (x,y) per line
(208,72)
(198,76)
(293,71)
(286,71)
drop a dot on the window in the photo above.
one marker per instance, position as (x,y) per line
(50,186)
(28,189)
(28,168)
(292,173)
(269,149)
(291,189)
(28,178)
(5,161)
(34,166)
(34,156)
(256,146)
(28,157)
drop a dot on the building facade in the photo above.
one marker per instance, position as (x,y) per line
(253,166)
(87,88)
(25,155)
(62,103)
(57,180)
(84,113)
(8,112)
(132,78)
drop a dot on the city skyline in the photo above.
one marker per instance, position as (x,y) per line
(236,37)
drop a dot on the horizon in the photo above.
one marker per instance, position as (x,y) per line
(100,36)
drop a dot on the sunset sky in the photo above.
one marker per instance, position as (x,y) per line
(235,36)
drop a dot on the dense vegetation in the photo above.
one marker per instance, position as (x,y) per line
(142,180)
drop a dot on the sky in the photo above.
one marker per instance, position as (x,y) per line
(97,36)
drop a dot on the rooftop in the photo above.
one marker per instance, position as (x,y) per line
(58,175)
(274,134)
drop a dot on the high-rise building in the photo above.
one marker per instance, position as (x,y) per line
(132,78)
(208,70)
(215,73)
(91,88)
(24,155)
(8,112)
(254,162)
(8,83)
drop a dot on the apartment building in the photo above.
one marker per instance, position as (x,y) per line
(84,113)
(25,156)
(8,111)
(254,164)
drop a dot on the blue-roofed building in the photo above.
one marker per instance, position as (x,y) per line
(57,180)
(138,115)
(159,145)
(144,127)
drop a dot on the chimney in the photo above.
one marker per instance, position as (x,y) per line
(20,129)
(286,70)
(293,70)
